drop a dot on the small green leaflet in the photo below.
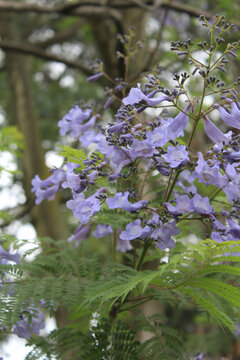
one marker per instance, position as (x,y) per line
(73,155)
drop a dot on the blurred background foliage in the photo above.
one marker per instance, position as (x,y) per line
(48,49)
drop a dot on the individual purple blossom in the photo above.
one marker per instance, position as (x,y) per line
(158,137)
(175,127)
(133,231)
(120,201)
(217,136)
(200,357)
(108,102)
(209,175)
(95,77)
(117,128)
(5,256)
(201,205)
(234,229)
(73,180)
(231,118)
(176,155)
(25,329)
(217,225)
(123,245)
(216,236)
(141,149)
(184,204)
(80,234)
(84,208)
(232,191)
(232,156)
(47,189)
(185,181)
(78,129)
(230,233)
(118,158)
(162,235)
(163,168)
(136,95)
(155,220)
(102,230)
(232,174)
(89,137)
(75,117)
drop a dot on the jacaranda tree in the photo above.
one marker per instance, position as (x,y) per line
(139,186)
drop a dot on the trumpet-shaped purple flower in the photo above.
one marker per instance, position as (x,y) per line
(120,201)
(47,189)
(232,174)
(158,137)
(117,128)
(89,137)
(94,77)
(133,231)
(201,205)
(176,126)
(232,156)
(80,234)
(209,175)
(231,118)
(123,245)
(232,191)
(136,95)
(85,208)
(71,122)
(24,329)
(102,230)
(163,235)
(118,158)
(217,136)
(73,180)
(183,205)
(141,149)
(185,182)
(176,155)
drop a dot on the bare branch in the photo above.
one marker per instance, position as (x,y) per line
(89,8)
(98,8)
(37,51)
(26,210)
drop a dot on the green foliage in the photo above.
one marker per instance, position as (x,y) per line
(67,278)
(165,343)
(11,140)
(73,155)
(107,216)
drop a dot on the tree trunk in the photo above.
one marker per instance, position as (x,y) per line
(46,217)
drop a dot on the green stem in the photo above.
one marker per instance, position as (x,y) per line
(168,186)
(173,184)
(144,251)
(137,304)
(192,132)
(114,244)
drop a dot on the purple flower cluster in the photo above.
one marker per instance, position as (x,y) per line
(126,148)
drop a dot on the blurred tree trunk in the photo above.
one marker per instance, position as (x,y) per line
(105,33)
(46,217)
